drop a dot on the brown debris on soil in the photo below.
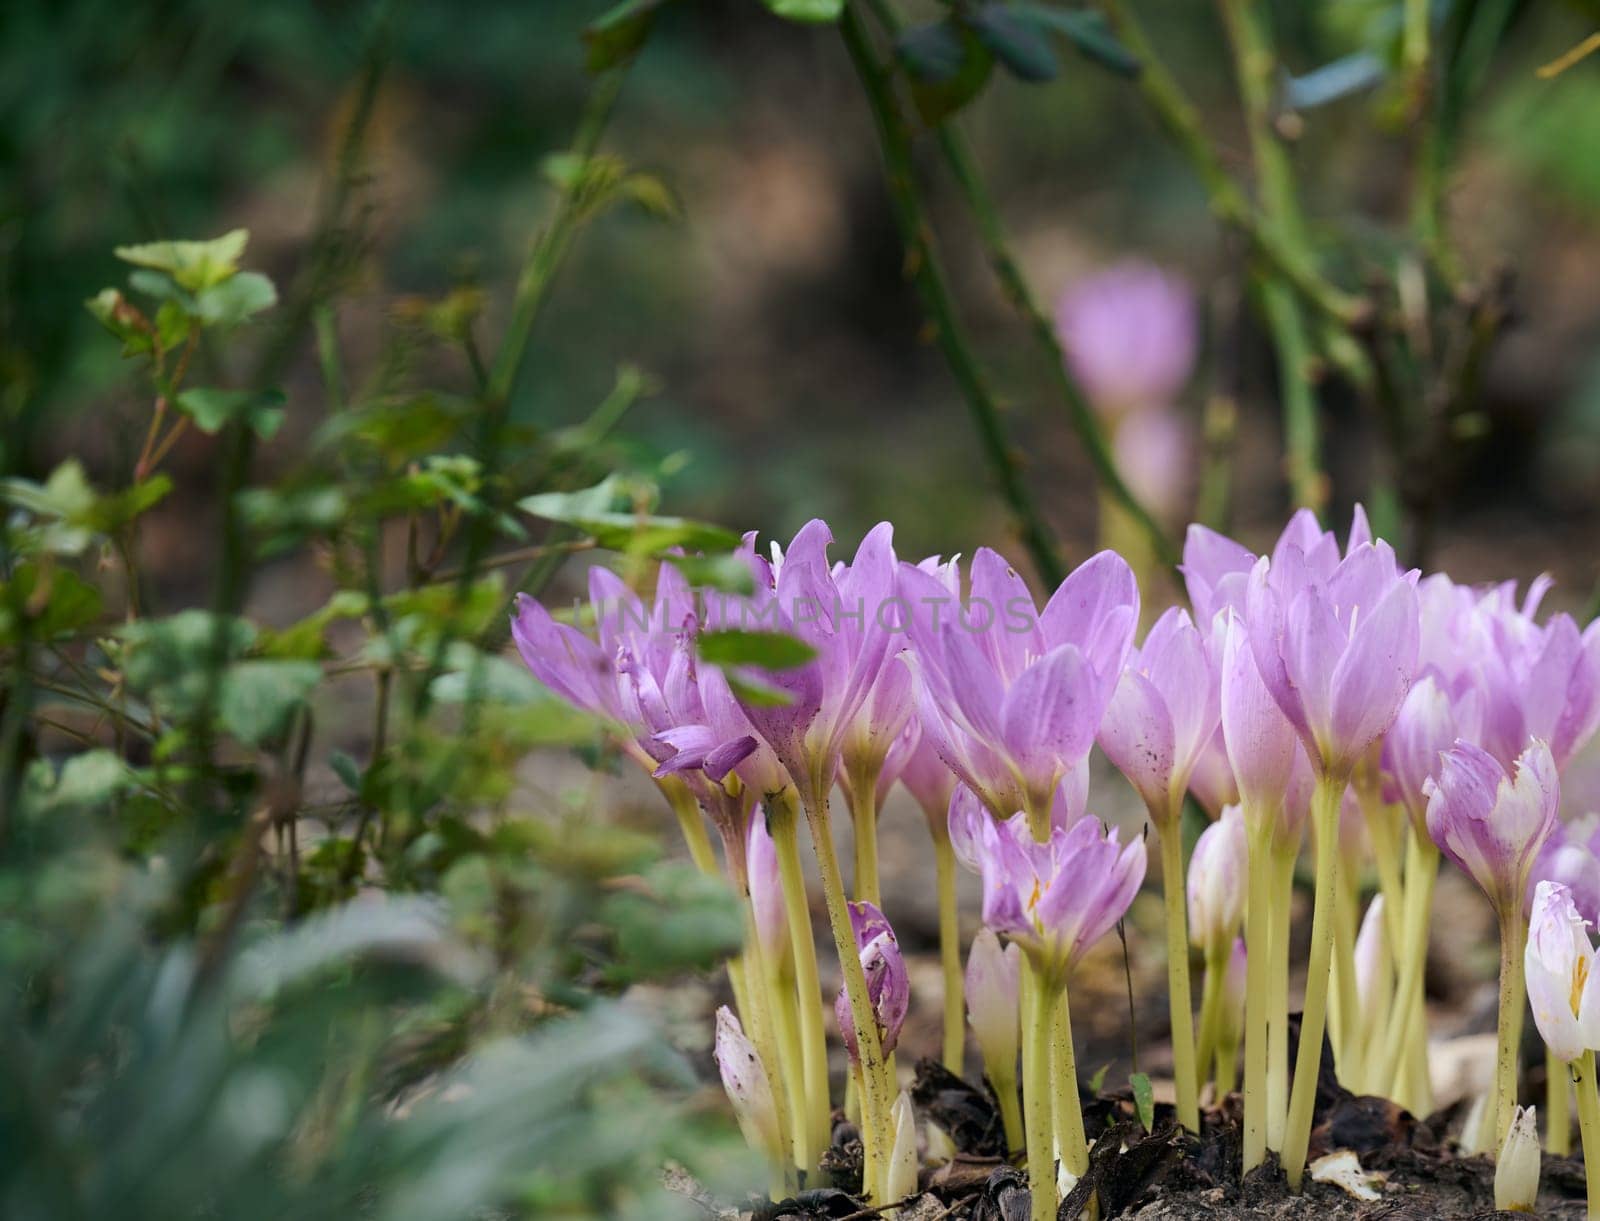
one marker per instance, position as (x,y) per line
(1169,1175)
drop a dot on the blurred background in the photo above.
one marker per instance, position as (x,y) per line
(785,345)
(762,293)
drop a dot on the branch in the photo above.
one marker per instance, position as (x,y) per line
(1228,203)
(921,261)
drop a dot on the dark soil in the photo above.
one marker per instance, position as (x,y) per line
(1168,1175)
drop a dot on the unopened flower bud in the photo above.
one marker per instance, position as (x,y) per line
(992,1002)
(1217,872)
(888,985)
(1516,1174)
(900,1177)
(766,890)
(744,1077)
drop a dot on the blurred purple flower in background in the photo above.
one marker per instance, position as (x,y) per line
(1129,335)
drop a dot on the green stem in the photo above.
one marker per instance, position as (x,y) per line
(1015,288)
(792,1060)
(1278,997)
(1210,1014)
(955,1018)
(1557,1106)
(1407,1011)
(1313,1020)
(692,824)
(1038,1122)
(1257,1000)
(1179,1004)
(552,245)
(1347,1000)
(877,1133)
(1067,1109)
(1181,119)
(934,293)
(763,1033)
(1513,998)
(1588,1126)
(1227,1061)
(783,823)
(862,792)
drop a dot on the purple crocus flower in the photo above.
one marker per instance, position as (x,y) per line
(1563,985)
(1571,857)
(1216,572)
(1262,746)
(1541,683)
(1163,714)
(847,616)
(1428,724)
(1010,697)
(1129,336)
(1492,824)
(967,815)
(1058,897)
(888,986)
(1335,640)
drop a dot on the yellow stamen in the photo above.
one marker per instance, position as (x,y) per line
(1561,63)
(1580,976)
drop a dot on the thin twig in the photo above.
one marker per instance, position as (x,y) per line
(923,267)
(1228,202)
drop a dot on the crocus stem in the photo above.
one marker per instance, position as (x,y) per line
(783,823)
(877,1136)
(792,1062)
(763,1033)
(1257,1001)
(1210,1013)
(1588,1126)
(863,794)
(1313,1018)
(955,1026)
(1278,996)
(1557,1106)
(1178,1001)
(1513,936)
(1037,1111)
(1347,995)
(1003,1079)
(1414,960)
(693,825)
(1067,1109)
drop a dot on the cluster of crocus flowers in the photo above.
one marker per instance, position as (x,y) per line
(1403,719)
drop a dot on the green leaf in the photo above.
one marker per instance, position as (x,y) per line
(1098,1081)
(193,265)
(653,195)
(753,691)
(347,769)
(1144,1100)
(212,409)
(813,11)
(88,780)
(678,919)
(766,650)
(65,604)
(726,573)
(1017,43)
(236,299)
(947,66)
(590,511)
(116,509)
(1085,29)
(616,35)
(170,659)
(257,698)
(113,311)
